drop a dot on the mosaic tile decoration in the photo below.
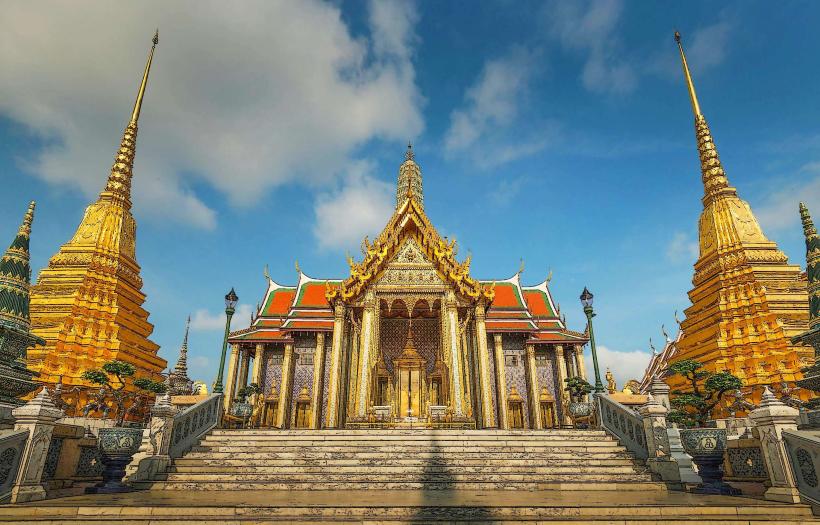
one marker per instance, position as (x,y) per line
(393,338)
(493,389)
(544,371)
(516,374)
(326,380)
(273,368)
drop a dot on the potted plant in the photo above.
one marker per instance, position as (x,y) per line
(119,443)
(579,410)
(692,409)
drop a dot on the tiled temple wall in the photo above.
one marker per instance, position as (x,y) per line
(273,368)
(304,348)
(326,378)
(545,372)
(516,373)
(493,389)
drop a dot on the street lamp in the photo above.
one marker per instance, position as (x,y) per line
(230,307)
(586,300)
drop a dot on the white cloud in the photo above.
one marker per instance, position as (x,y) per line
(360,206)
(588,28)
(624,365)
(706,47)
(682,248)
(488,127)
(204,320)
(242,98)
(779,208)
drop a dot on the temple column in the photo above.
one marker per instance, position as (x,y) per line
(456,380)
(562,375)
(579,361)
(484,367)
(256,377)
(243,368)
(570,360)
(230,380)
(465,375)
(368,329)
(354,369)
(318,374)
(287,386)
(332,419)
(501,381)
(534,401)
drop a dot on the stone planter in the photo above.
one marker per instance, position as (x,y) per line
(117,447)
(580,412)
(707,446)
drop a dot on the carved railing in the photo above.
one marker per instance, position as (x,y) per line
(624,424)
(803,450)
(192,424)
(12,446)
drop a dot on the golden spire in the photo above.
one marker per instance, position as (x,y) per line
(409,184)
(714,178)
(118,187)
(692,95)
(25,227)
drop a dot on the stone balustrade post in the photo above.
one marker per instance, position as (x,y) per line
(771,418)
(38,416)
(660,391)
(153,456)
(659,455)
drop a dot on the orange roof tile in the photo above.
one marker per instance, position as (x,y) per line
(538,304)
(279,302)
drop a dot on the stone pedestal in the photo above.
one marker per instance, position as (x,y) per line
(38,416)
(659,459)
(771,418)
(152,457)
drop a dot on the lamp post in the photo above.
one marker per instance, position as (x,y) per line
(586,300)
(230,307)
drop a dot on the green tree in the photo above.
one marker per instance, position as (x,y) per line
(577,387)
(113,379)
(693,407)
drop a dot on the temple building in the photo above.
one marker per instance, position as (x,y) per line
(748,302)
(408,338)
(87,303)
(16,338)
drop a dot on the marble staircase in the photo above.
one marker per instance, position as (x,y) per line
(407,460)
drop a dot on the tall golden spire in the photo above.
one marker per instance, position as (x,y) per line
(118,187)
(409,183)
(714,178)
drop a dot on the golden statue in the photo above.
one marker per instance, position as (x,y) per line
(610,382)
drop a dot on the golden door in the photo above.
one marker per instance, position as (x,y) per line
(409,392)
(302,415)
(547,415)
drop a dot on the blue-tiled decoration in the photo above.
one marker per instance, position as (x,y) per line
(90,463)
(52,457)
(516,373)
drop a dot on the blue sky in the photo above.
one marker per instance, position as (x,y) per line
(560,133)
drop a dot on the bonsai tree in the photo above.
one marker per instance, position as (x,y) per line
(247,391)
(113,379)
(577,387)
(693,407)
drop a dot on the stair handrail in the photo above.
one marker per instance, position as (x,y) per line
(191,425)
(803,452)
(624,423)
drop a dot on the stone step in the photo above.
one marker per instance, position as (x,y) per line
(447,476)
(410,462)
(444,449)
(222,485)
(386,433)
(406,470)
(410,440)
(578,456)
(302,507)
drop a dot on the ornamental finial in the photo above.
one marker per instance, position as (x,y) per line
(135,115)
(808,225)
(408,155)
(25,227)
(692,95)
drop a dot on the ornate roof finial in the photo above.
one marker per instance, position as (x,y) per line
(409,183)
(408,155)
(296,264)
(15,278)
(689,84)
(812,266)
(25,227)
(652,346)
(118,186)
(714,178)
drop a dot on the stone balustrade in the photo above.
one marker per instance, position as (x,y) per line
(12,446)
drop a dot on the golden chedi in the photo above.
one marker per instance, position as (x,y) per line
(87,304)
(747,301)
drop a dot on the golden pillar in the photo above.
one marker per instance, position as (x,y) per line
(230,382)
(501,381)
(365,350)
(318,372)
(579,361)
(334,378)
(484,367)
(243,368)
(285,392)
(256,376)
(353,380)
(456,386)
(534,394)
(466,376)
(562,374)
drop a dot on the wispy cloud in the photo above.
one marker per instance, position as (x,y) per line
(204,320)
(778,210)
(682,248)
(706,47)
(625,365)
(588,28)
(359,206)
(488,126)
(240,102)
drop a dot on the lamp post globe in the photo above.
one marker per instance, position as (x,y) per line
(230,307)
(586,301)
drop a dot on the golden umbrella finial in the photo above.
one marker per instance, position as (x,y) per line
(692,95)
